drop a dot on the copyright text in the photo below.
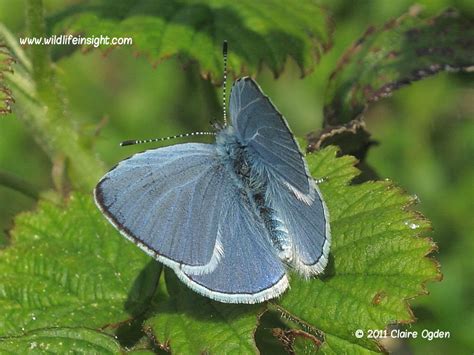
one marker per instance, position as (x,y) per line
(402,334)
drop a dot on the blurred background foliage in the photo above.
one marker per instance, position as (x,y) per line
(425,134)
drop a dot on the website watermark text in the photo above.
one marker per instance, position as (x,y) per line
(76,40)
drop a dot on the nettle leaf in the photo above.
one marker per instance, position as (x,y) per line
(400,52)
(6,98)
(61,341)
(187,323)
(66,267)
(258,32)
(377,260)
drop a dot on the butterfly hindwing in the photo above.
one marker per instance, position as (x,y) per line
(249,270)
(308,226)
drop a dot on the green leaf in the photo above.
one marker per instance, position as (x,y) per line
(6,98)
(400,52)
(265,32)
(61,341)
(377,260)
(66,267)
(187,323)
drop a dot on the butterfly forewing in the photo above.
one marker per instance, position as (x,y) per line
(167,201)
(265,132)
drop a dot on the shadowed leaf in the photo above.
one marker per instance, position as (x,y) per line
(296,341)
(402,51)
(266,32)
(187,323)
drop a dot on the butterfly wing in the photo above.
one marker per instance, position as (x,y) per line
(182,207)
(249,271)
(266,134)
(168,201)
(308,227)
(291,192)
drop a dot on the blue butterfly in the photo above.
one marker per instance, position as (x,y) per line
(230,217)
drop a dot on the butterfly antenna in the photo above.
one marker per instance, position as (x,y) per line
(224,55)
(141,141)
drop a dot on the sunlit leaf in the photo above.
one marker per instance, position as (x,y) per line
(61,341)
(66,267)
(377,262)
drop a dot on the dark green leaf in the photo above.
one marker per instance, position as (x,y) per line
(187,323)
(265,32)
(400,52)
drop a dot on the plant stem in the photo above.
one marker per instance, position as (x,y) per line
(46,115)
(18,184)
(39,54)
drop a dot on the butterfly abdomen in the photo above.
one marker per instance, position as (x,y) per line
(253,182)
(278,232)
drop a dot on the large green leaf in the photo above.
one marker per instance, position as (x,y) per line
(6,98)
(259,32)
(377,259)
(400,52)
(67,268)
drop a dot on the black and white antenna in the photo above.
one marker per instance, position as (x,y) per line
(224,55)
(141,141)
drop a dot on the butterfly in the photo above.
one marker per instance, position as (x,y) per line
(228,218)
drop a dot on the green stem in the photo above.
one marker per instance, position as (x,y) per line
(46,115)
(18,184)
(39,54)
